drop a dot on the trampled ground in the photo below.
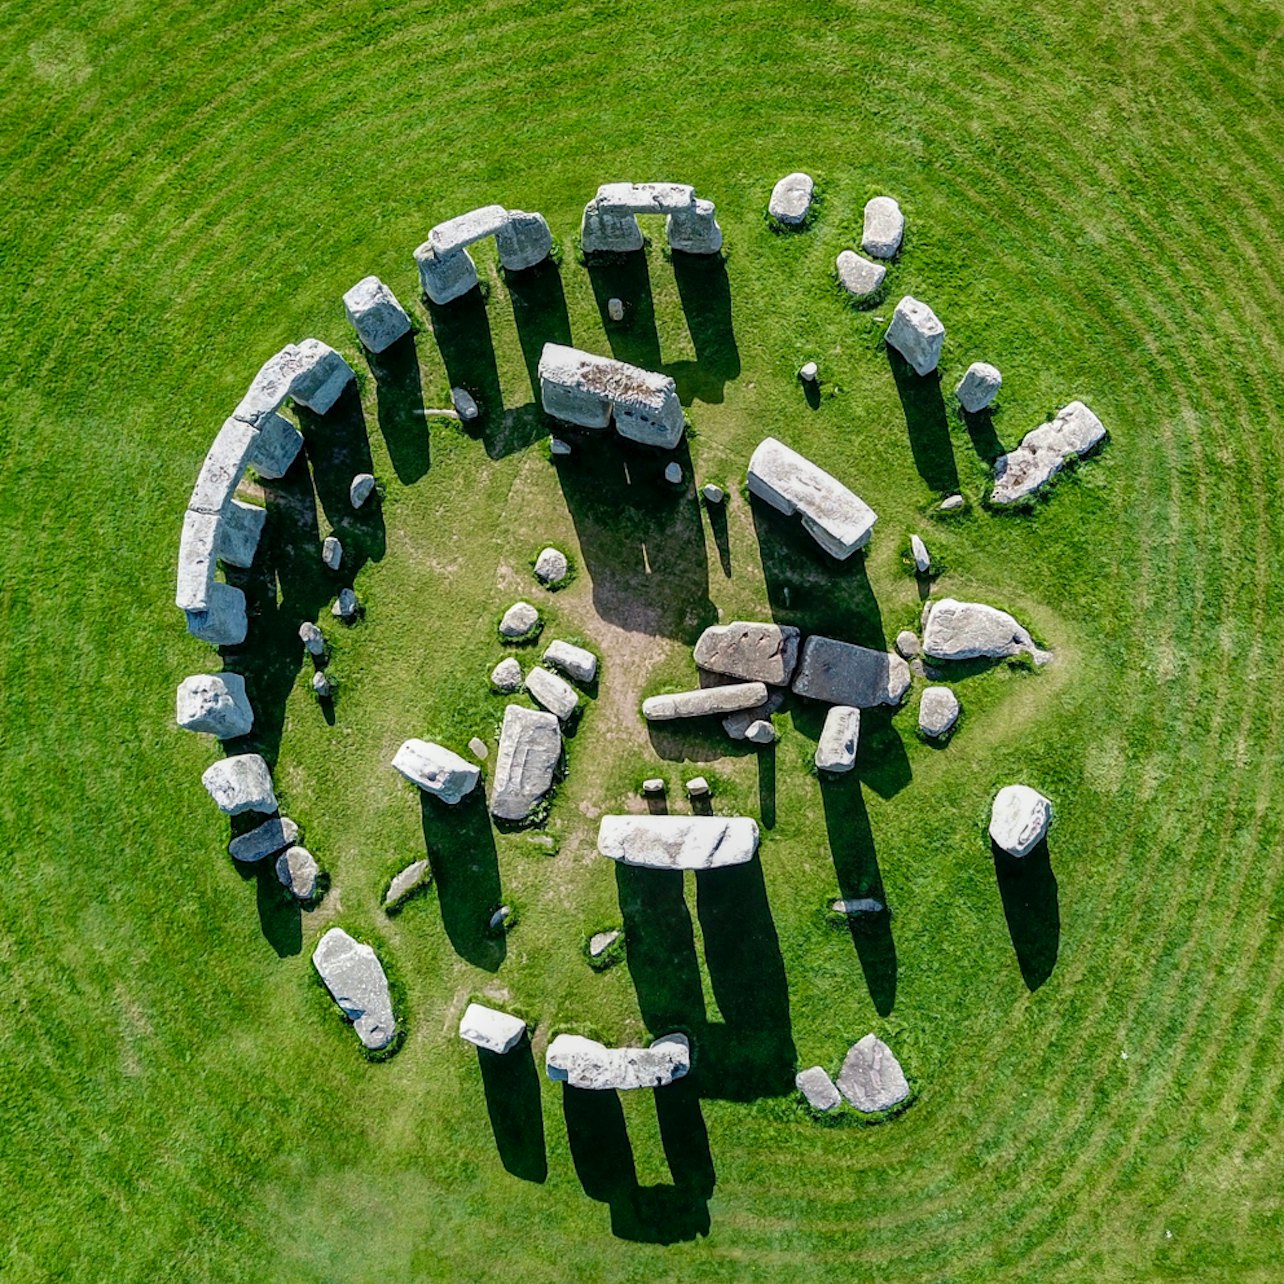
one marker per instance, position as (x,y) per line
(1093,203)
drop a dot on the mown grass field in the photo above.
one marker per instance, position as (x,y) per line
(1093,203)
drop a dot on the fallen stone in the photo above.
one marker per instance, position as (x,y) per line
(477,747)
(551,566)
(760,732)
(884,228)
(791,199)
(465,404)
(951,503)
(600,942)
(750,651)
(436,770)
(277,447)
(361,489)
(832,515)
(240,532)
(843,673)
(978,387)
(871,1077)
(520,621)
(554,693)
(971,630)
(585,1063)
(347,606)
(713,494)
(857,906)
(907,644)
(269,837)
(1045,452)
(296,870)
(530,745)
(506,676)
(697,787)
(240,783)
(673,474)
(322,687)
(332,552)
(355,978)
(678,842)
(704,701)
(938,711)
(839,739)
(375,314)
(491,1029)
(916,334)
(1019,819)
(574,661)
(411,879)
(817,1088)
(858,276)
(922,560)
(808,372)
(214,704)
(615,309)
(558,448)
(737,724)
(653,785)
(312,638)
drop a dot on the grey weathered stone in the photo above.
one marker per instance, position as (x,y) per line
(224,465)
(673,473)
(922,559)
(240,532)
(615,309)
(322,687)
(409,880)
(297,871)
(312,638)
(653,785)
(916,334)
(551,566)
(938,711)
(955,630)
(884,228)
(808,372)
(477,747)
(697,787)
(737,724)
(952,503)
(678,842)
(753,652)
(197,555)
(491,1029)
(455,234)
(585,1063)
(465,404)
(907,644)
(277,448)
(817,1088)
(214,704)
(843,673)
(240,783)
(704,701)
(530,745)
(760,732)
(436,770)
(574,661)
(519,621)
(322,377)
(713,494)
(225,622)
(506,676)
(271,386)
(355,978)
(858,276)
(558,448)
(375,314)
(499,921)
(871,1077)
(264,840)
(839,739)
(444,277)
(523,241)
(554,693)
(790,200)
(978,387)
(362,487)
(332,552)
(1045,452)
(835,518)
(346,605)
(857,906)
(1019,819)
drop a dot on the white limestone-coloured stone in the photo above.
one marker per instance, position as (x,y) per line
(978,387)
(673,473)
(587,1064)
(817,1088)
(225,623)
(355,978)
(917,334)
(332,552)
(809,372)
(790,200)
(444,277)
(844,673)
(938,711)
(554,693)
(360,489)
(922,559)
(523,240)
(488,1028)
(240,532)
(907,644)
(323,376)
(954,630)
(530,746)
(375,314)
(1045,452)
(839,739)
(653,785)
(753,652)
(277,448)
(465,404)
(477,747)
(346,606)
(704,701)
(224,465)
(506,676)
(952,503)
(574,661)
(600,942)
(265,840)
(197,556)
(297,872)
(551,566)
(1019,819)
(858,276)
(519,621)
(322,687)
(312,638)
(760,732)
(615,309)
(694,230)
(678,842)
(871,1077)
(697,787)
(713,494)
(240,783)
(464,229)
(409,880)
(214,704)
(884,228)
(436,770)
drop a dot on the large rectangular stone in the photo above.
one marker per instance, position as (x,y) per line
(197,552)
(844,673)
(530,746)
(678,842)
(704,701)
(461,231)
(224,466)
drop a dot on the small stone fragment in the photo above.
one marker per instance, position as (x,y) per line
(600,942)
(551,566)
(347,606)
(332,552)
(465,404)
(263,841)
(411,879)
(477,747)
(559,448)
(520,621)
(951,503)
(1019,819)
(938,711)
(907,644)
(697,787)
(491,1029)
(871,1077)
(653,785)
(836,748)
(554,693)
(818,1088)
(760,732)
(918,550)
(436,770)
(240,783)
(978,387)
(574,661)
(857,906)
(615,309)
(790,200)
(322,686)
(312,638)
(506,676)
(858,276)
(214,704)
(353,975)
(884,228)
(808,372)
(737,724)
(916,334)
(673,473)
(362,488)
(713,494)
(296,869)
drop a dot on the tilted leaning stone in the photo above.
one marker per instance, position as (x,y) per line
(884,228)
(844,673)
(530,745)
(216,704)
(491,1029)
(839,739)
(737,724)
(265,840)
(916,334)
(240,783)
(704,701)
(1045,452)
(355,978)
(409,880)
(871,1077)
(832,515)
(678,842)
(585,1063)
(1019,819)
(954,630)
(375,314)
(436,770)
(751,651)
(818,1088)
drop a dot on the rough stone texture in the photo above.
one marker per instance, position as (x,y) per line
(978,387)
(951,503)
(332,552)
(871,1077)
(600,942)
(225,623)
(615,309)
(697,787)
(463,230)
(506,676)
(884,228)
(240,532)
(938,711)
(574,661)
(346,605)
(271,386)
(436,770)
(264,840)
(477,747)
(491,1029)
(413,877)
(215,704)
(1019,819)
(673,474)
(551,566)
(500,918)
(558,448)
(858,276)
(922,559)
(312,638)
(916,334)
(240,783)
(375,314)
(760,732)
(808,372)
(297,871)
(530,744)
(322,687)
(232,449)
(839,739)
(554,693)
(197,554)
(444,277)
(737,724)
(585,1063)
(818,1088)
(835,518)
(322,377)
(907,644)
(653,785)
(277,448)
(955,630)
(465,404)
(790,200)
(610,218)
(361,489)
(713,494)
(678,842)
(519,620)
(1045,452)
(857,905)
(523,241)
(750,651)
(843,673)
(355,978)
(704,701)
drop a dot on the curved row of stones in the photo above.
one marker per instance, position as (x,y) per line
(597,392)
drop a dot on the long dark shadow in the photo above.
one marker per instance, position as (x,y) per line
(461,329)
(705,292)
(927,423)
(539,312)
(980,428)
(512,1087)
(400,395)
(1032,908)
(626,277)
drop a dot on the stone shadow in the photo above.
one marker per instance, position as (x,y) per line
(400,396)
(460,846)
(882,764)
(705,292)
(927,423)
(539,312)
(280,915)
(696,740)
(1031,906)
(513,1102)
(767,786)
(980,428)
(659,948)
(717,515)
(627,277)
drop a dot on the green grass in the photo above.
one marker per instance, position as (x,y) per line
(1093,203)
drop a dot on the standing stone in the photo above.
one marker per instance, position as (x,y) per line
(574,661)
(653,785)
(530,745)
(265,840)
(713,494)
(519,621)
(347,606)
(1019,819)
(558,448)
(411,879)
(491,1029)
(506,676)
(322,687)
(836,748)
(240,532)
(955,630)
(277,447)
(1044,452)
(704,701)
(938,711)
(375,314)
(760,732)
(332,552)
(321,377)
(818,1088)
(312,638)
(353,975)
(465,404)
(884,228)
(296,870)
(551,566)
(600,942)
(240,783)
(436,770)
(361,489)
(871,1077)
(673,473)
(978,387)
(500,919)
(843,673)
(554,693)
(225,623)
(790,200)
(857,906)
(916,334)
(907,644)
(477,747)
(808,372)
(750,651)
(858,276)
(615,309)
(697,787)
(215,704)
(918,550)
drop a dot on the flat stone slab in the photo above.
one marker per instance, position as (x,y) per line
(265,840)
(838,520)
(938,711)
(585,1063)
(355,978)
(1045,452)
(978,387)
(858,276)
(375,314)
(678,842)
(704,701)
(750,651)
(844,673)
(214,704)
(240,783)
(791,199)
(817,1088)
(917,334)
(491,1029)
(530,745)
(554,693)
(409,880)
(884,228)
(574,661)
(458,233)
(954,630)
(1019,819)
(839,739)
(436,770)
(871,1077)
